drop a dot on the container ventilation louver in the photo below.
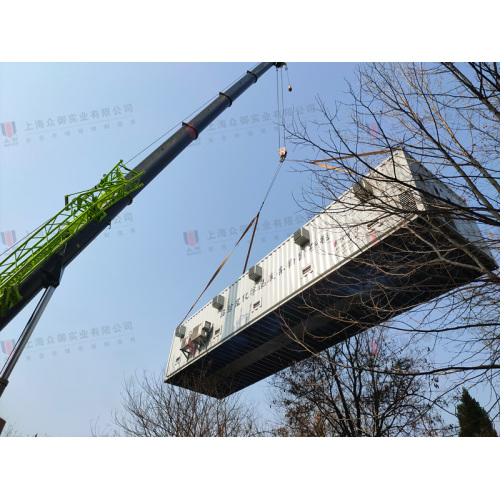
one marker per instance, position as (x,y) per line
(408,204)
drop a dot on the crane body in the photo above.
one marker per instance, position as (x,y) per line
(37,262)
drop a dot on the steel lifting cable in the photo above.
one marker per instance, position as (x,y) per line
(283,110)
(255,220)
(278,104)
(281,150)
(282,156)
(258,214)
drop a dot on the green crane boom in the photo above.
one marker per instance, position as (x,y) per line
(49,238)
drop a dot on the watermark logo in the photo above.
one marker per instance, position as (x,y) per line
(86,339)
(372,128)
(252,125)
(9,129)
(223,238)
(191,240)
(121,225)
(59,125)
(8,238)
(7,346)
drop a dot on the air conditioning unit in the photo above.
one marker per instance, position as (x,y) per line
(363,190)
(200,332)
(255,273)
(180,331)
(185,344)
(218,302)
(301,236)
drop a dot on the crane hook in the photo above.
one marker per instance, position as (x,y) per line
(282,153)
(289,86)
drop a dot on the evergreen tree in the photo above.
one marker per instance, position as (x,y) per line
(473,419)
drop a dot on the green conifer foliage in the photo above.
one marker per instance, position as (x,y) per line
(473,419)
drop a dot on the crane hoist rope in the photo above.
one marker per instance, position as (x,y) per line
(288,78)
(281,124)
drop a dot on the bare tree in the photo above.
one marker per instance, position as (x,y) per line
(440,294)
(447,118)
(357,388)
(10,430)
(152,408)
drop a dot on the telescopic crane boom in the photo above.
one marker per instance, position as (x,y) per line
(38,262)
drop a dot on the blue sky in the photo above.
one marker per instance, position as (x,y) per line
(142,278)
(119,302)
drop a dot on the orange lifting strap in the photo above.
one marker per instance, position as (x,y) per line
(254,220)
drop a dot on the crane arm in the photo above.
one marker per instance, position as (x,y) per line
(37,265)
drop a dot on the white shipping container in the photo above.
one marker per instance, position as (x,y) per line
(246,333)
